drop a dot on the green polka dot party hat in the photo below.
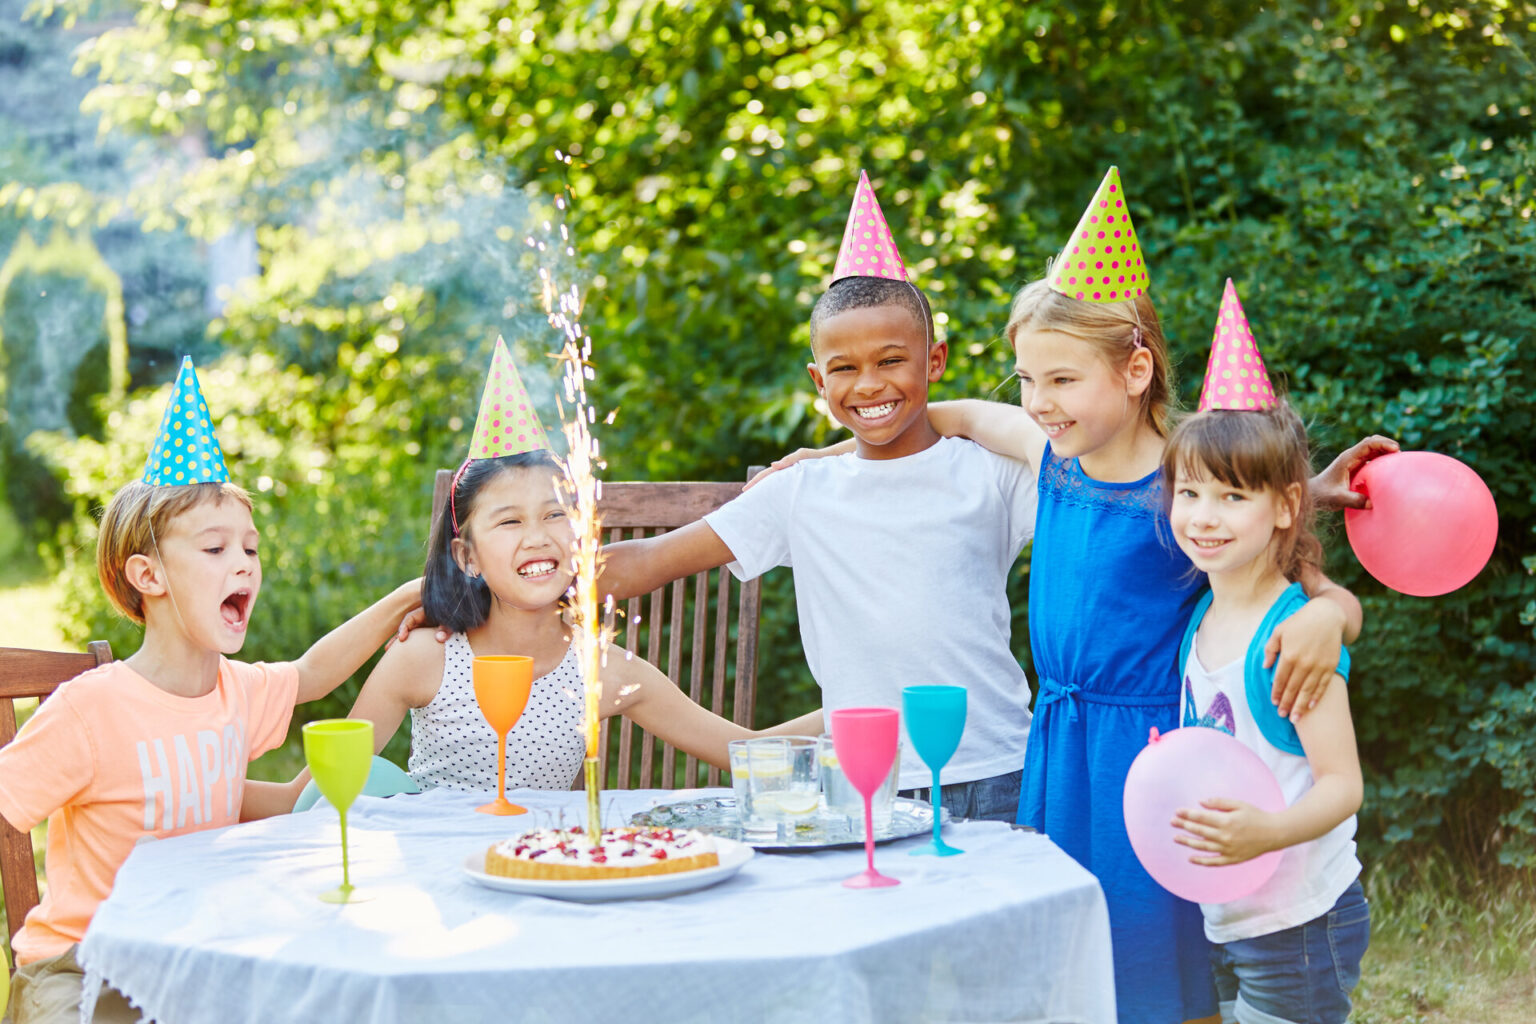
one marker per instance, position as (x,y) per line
(1235,377)
(1102,262)
(186,452)
(507,424)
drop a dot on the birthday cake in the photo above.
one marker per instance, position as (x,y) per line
(569,853)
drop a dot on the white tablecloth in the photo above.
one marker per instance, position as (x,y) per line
(226,927)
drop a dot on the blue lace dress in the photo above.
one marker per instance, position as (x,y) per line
(1109,597)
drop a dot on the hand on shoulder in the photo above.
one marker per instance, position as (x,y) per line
(415,621)
(799,455)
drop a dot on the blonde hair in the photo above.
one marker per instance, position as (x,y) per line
(1112,328)
(1257,451)
(136,515)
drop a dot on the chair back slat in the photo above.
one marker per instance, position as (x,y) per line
(696,669)
(28,673)
(722,636)
(658,625)
(705,641)
(746,654)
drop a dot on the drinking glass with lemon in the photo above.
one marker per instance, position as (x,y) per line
(776,782)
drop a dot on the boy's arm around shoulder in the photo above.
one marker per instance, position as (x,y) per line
(634,567)
(344,649)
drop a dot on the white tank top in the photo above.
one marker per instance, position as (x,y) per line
(453,746)
(1312,875)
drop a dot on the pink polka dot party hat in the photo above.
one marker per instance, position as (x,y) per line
(1235,377)
(1102,262)
(186,451)
(868,249)
(507,424)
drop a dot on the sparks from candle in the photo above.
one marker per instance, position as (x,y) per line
(578,490)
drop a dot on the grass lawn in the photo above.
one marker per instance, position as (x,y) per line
(1437,955)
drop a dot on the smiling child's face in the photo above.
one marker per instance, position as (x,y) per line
(1224,528)
(1078,399)
(519,539)
(873,367)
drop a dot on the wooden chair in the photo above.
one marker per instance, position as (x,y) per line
(699,634)
(26,673)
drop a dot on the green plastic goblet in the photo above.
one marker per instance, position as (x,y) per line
(339,752)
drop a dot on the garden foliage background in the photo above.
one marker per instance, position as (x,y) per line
(1362,171)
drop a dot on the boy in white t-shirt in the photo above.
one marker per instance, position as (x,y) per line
(901,549)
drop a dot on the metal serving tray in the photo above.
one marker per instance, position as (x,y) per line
(717,817)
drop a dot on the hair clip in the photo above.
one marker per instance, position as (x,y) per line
(1136,341)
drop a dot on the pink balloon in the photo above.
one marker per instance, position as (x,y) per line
(1178,770)
(1431,526)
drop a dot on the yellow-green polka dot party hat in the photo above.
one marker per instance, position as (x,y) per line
(1235,377)
(507,424)
(186,452)
(868,250)
(1101,262)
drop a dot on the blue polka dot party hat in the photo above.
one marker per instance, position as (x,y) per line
(186,452)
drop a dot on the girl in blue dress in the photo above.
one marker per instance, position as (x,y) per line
(1110,593)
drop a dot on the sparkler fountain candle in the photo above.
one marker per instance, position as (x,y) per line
(579,490)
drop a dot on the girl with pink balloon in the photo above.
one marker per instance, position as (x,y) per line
(1239,507)
(1109,594)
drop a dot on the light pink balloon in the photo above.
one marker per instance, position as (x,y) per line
(1431,526)
(1178,770)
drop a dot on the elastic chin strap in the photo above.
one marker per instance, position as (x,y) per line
(1136,343)
(159,558)
(453,512)
(927,320)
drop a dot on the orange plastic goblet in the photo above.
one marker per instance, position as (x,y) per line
(502,682)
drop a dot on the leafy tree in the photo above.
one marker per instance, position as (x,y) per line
(1361,170)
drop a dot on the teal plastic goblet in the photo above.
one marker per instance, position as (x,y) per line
(935,717)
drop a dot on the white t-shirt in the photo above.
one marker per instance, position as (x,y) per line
(1311,876)
(900,570)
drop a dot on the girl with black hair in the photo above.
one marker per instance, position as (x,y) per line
(497,571)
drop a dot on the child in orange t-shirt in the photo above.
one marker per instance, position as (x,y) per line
(157,745)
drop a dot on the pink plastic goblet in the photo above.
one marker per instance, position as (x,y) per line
(866,741)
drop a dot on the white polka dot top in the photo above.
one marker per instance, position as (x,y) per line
(453,746)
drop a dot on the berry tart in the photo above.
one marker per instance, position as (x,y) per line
(628,852)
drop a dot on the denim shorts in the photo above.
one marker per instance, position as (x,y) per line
(994,799)
(1302,975)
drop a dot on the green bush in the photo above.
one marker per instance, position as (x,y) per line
(1361,170)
